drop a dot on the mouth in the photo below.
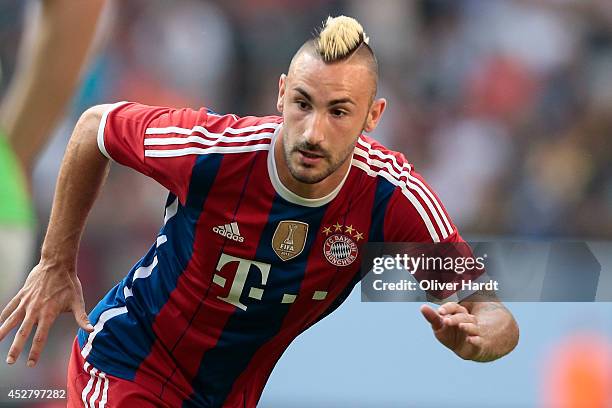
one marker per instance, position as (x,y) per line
(310,158)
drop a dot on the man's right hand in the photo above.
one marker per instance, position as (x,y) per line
(53,287)
(47,292)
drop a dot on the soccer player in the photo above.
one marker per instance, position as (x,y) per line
(53,51)
(263,228)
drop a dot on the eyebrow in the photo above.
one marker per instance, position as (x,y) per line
(333,102)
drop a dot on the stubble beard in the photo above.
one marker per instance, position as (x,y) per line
(330,165)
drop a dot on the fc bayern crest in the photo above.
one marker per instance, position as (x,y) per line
(340,250)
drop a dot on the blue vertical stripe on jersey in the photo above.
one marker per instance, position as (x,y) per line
(113,351)
(246,331)
(384,191)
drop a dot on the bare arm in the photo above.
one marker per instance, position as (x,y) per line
(52,287)
(52,54)
(82,173)
(479,328)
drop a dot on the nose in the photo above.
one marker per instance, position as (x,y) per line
(314,133)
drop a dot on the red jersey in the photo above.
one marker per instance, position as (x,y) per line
(241,265)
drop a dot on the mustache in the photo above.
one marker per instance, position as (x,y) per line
(312,148)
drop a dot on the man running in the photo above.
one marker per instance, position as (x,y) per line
(262,237)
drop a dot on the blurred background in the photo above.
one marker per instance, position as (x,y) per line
(505,107)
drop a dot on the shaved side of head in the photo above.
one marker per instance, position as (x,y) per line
(341,39)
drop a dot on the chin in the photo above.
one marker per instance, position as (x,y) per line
(308,179)
(307,176)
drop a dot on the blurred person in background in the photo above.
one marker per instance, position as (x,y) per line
(322,176)
(53,51)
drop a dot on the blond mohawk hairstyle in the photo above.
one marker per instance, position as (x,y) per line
(339,37)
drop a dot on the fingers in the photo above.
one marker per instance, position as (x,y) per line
(453,314)
(44,322)
(39,341)
(457,319)
(469,329)
(11,322)
(20,339)
(452,308)
(9,308)
(78,309)
(432,317)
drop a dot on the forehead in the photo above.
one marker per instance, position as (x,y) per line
(330,80)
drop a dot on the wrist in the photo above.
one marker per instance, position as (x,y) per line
(63,260)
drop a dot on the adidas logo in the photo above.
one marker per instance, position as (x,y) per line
(229,231)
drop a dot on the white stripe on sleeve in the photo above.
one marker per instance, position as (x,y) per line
(102,127)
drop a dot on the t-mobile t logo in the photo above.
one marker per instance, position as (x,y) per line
(236,290)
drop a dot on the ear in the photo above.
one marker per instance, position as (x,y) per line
(375,113)
(281,92)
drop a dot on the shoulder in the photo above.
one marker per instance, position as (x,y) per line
(232,124)
(380,162)
(414,211)
(204,131)
(163,119)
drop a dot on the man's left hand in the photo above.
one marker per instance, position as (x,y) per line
(459,330)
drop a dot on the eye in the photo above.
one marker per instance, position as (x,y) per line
(338,113)
(303,105)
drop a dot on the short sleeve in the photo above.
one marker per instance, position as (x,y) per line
(128,129)
(416,216)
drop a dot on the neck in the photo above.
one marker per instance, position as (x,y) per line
(311,191)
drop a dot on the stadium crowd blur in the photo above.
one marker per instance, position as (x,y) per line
(505,107)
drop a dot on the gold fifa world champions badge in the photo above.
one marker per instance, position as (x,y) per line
(289,239)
